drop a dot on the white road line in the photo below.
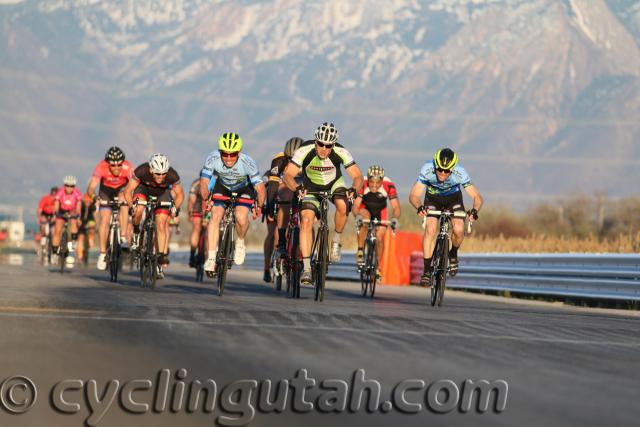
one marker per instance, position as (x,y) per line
(328,329)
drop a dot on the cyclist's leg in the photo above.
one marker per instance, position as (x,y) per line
(162,228)
(456,205)
(125,235)
(104,215)
(57,233)
(362,235)
(285,196)
(194,238)
(213,235)
(380,233)
(341,216)
(241,212)
(267,248)
(308,214)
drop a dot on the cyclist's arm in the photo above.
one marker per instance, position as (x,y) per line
(129,189)
(473,192)
(395,206)
(56,207)
(356,175)
(40,207)
(261,193)
(417,191)
(178,196)
(93,184)
(204,187)
(290,174)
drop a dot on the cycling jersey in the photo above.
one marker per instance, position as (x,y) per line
(144,176)
(108,179)
(376,202)
(47,204)
(321,173)
(241,174)
(449,186)
(68,202)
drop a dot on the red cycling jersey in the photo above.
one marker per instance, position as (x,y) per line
(47,204)
(108,179)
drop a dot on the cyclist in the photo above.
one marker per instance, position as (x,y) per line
(319,161)
(67,202)
(158,179)
(112,175)
(194,209)
(278,194)
(46,210)
(440,181)
(236,172)
(372,204)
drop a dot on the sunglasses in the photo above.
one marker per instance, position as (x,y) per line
(115,165)
(159,174)
(321,145)
(229,155)
(69,186)
(447,171)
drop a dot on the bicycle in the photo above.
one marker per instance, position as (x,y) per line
(63,247)
(440,259)
(226,242)
(148,255)
(293,259)
(320,247)
(201,250)
(114,260)
(368,270)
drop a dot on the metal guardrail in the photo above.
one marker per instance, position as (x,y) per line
(593,276)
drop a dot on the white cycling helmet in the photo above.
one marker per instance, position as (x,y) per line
(70,180)
(327,133)
(158,163)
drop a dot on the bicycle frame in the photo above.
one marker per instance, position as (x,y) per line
(320,247)
(368,270)
(149,269)
(440,258)
(226,241)
(293,257)
(113,244)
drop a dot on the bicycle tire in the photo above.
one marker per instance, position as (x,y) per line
(113,252)
(321,266)
(435,276)
(374,272)
(199,258)
(222,263)
(63,249)
(294,262)
(443,267)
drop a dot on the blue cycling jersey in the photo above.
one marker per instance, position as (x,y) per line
(458,177)
(240,175)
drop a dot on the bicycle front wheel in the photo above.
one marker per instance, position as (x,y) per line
(222,264)
(322,264)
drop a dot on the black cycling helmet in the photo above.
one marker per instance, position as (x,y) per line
(445,159)
(292,145)
(54,189)
(114,155)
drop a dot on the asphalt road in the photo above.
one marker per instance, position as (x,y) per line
(562,365)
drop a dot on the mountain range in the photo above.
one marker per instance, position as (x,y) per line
(540,97)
